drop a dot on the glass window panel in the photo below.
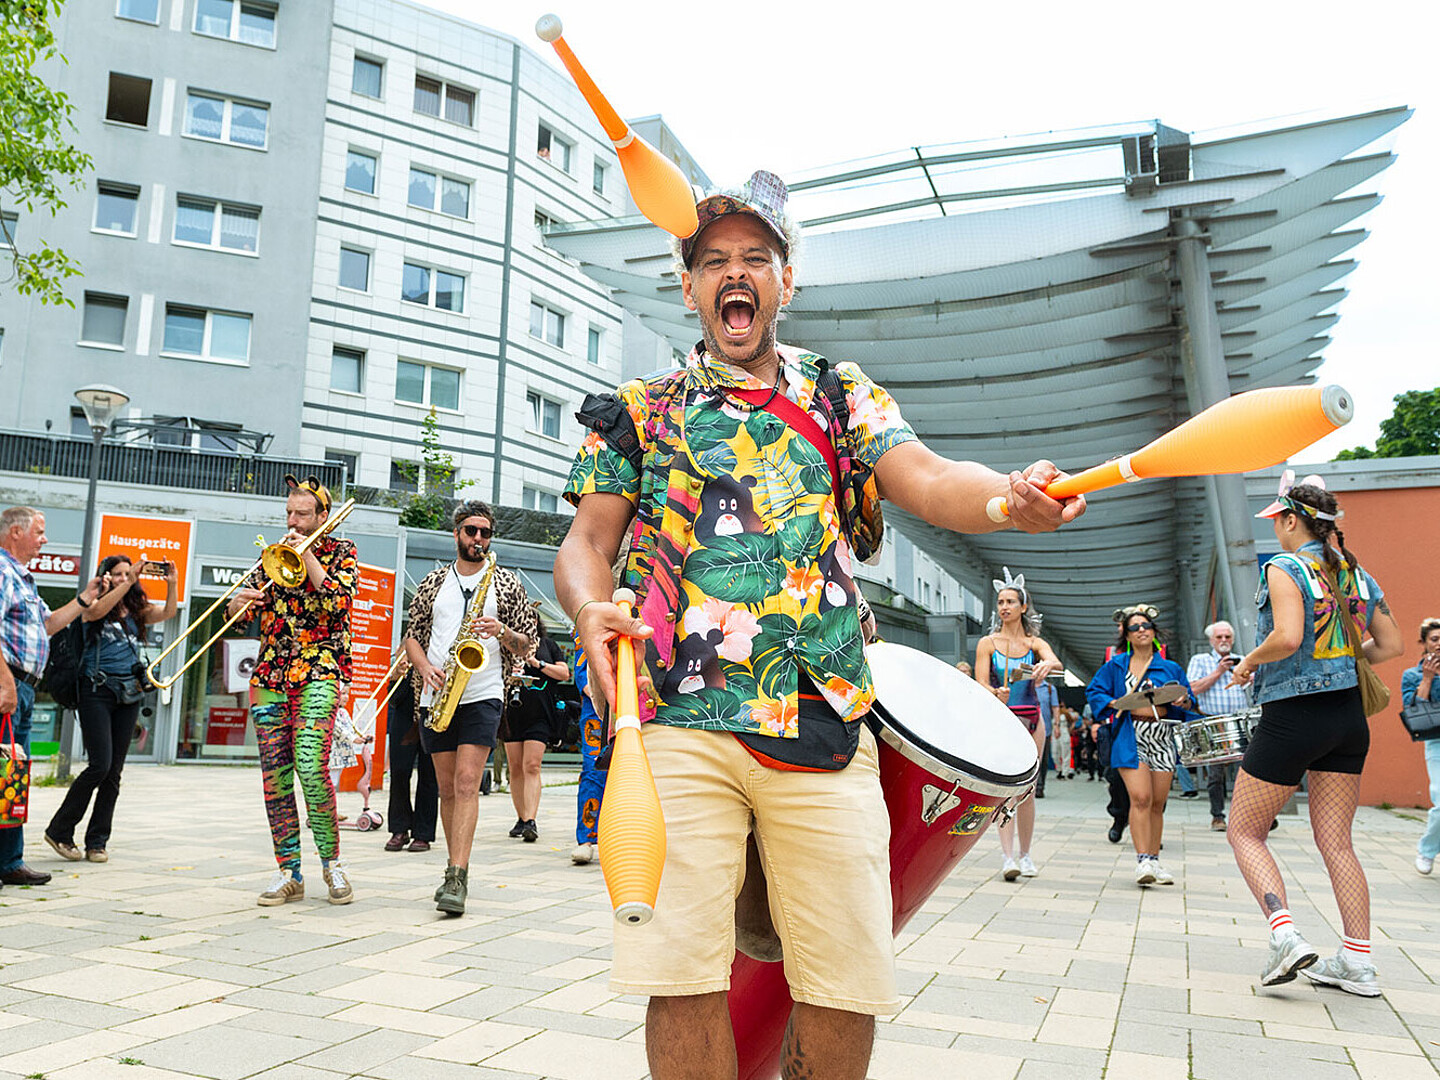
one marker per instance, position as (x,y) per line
(345,365)
(239,228)
(410,382)
(533,400)
(184,331)
(360,172)
(354,269)
(415,284)
(542,143)
(194,221)
(9,225)
(560,155)
(427,96)
(449,291)
(598,180)
(104,320)
(247,124)
(218,436)
(460,105)
(143,10)
(404,476)
(548,502)
(550,424)
(350,461)
(230,336)
(213,17)
(455,197)
(365,77)
(445,388)
(115,209)
(592,346)
(537,320)
(204,116)
(555,328)
(422,189)
(257,25)
(172,432)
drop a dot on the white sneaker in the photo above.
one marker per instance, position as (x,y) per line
(1350,976)
(1289,953)
(582,854)
(283,888)
(339,882)
(1423,863)
(1011,870)
(1145,872)
(1162,876)
(1027,866)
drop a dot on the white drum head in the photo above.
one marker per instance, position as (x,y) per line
(949,716)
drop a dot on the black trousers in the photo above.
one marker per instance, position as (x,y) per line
(107,728)
(1119,808)
(408,758)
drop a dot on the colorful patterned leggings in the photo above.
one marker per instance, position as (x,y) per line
(592,780)
(293,730)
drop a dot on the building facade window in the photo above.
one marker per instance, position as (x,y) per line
(354,269)
(405,476)
(425,384)
(9,228)
(544,414)
(431,191)
(128,100)
(347,370)
(434,97)
(103,322)
(360,169)
(212,224)
(547,324)
(597,181)
(366,77)
(350,461)
(552,148)
(593,342)
(115,208)
(217,119)
(236,20)
(147,11)
(535,499)
(207,335)
(433,288)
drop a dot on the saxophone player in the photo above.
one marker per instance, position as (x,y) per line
(469,600)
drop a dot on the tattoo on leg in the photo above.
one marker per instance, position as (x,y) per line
(793,1065)
(1272,902)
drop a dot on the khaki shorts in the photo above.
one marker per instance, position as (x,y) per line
(824,839)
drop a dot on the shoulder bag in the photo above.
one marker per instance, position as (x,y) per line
(1374,694)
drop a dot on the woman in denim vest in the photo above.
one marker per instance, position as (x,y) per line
(1311,721)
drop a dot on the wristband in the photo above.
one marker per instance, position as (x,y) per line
(581,608)
(82,601)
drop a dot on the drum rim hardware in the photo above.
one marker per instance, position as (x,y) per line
(932,758)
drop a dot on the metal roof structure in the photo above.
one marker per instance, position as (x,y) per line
(1021,300)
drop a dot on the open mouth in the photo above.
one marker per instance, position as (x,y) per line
(737,312)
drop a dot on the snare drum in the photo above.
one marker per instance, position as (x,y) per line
(1217,740)
(951,758)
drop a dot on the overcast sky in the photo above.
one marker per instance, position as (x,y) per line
(791,86)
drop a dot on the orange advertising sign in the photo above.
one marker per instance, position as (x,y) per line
(372,627)
(153,540)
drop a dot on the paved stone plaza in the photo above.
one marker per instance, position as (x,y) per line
(159,964)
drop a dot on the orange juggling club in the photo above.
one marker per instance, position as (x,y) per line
(1253,430)
(632,828)
(656,183)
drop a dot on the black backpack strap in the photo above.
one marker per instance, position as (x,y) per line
(606,414)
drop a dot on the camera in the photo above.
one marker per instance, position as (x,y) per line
(140,675)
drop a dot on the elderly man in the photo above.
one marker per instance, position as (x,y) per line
(1209,675)
(755,473)
(26,625)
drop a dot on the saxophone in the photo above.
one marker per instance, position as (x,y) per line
(467,656)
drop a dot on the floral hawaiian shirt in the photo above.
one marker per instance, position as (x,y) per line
(305,631)
(765,586)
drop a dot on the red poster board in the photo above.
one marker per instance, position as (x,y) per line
(225,727)
(372,625)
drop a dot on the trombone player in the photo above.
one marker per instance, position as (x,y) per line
(297,687)
(471,625)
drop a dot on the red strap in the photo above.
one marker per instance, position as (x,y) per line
(804,425)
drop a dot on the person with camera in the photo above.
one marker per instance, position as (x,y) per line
(1209,675)
(112,684)
(1417,689)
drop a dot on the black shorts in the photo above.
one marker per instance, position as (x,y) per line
(474,724)
(526,721)
(1324,732)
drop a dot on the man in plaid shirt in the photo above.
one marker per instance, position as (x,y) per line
(1209,675)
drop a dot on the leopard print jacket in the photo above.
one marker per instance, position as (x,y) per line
(512,607)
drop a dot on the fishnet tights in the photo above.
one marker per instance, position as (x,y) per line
(1332,810)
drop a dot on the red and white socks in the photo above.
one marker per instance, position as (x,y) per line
(1356,950)
(1280,920)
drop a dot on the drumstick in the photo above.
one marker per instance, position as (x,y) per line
(1253,430)
(632,827)
(656,183)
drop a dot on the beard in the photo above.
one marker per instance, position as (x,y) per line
(763,326)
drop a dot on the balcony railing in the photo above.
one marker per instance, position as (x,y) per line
(161,466)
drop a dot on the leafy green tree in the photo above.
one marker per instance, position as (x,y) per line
(36,159)
(434,474)
(1412,429)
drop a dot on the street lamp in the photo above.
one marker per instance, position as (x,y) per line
(101,404)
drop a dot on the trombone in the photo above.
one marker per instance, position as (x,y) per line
(400,660)
(283,565)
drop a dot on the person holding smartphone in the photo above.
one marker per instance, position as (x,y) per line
(112,684)
(1209,675)
(1417,685)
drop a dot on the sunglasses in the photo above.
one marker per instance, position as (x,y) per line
(1135,628)
(483,531)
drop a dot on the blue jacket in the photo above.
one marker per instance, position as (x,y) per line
(1109,684)
(1324,660)
(1410,682)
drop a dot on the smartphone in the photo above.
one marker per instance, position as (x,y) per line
(151,568)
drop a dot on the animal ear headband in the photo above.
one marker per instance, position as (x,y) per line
(1283,500)
(312,485)
(1017,583)
(1150,611)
